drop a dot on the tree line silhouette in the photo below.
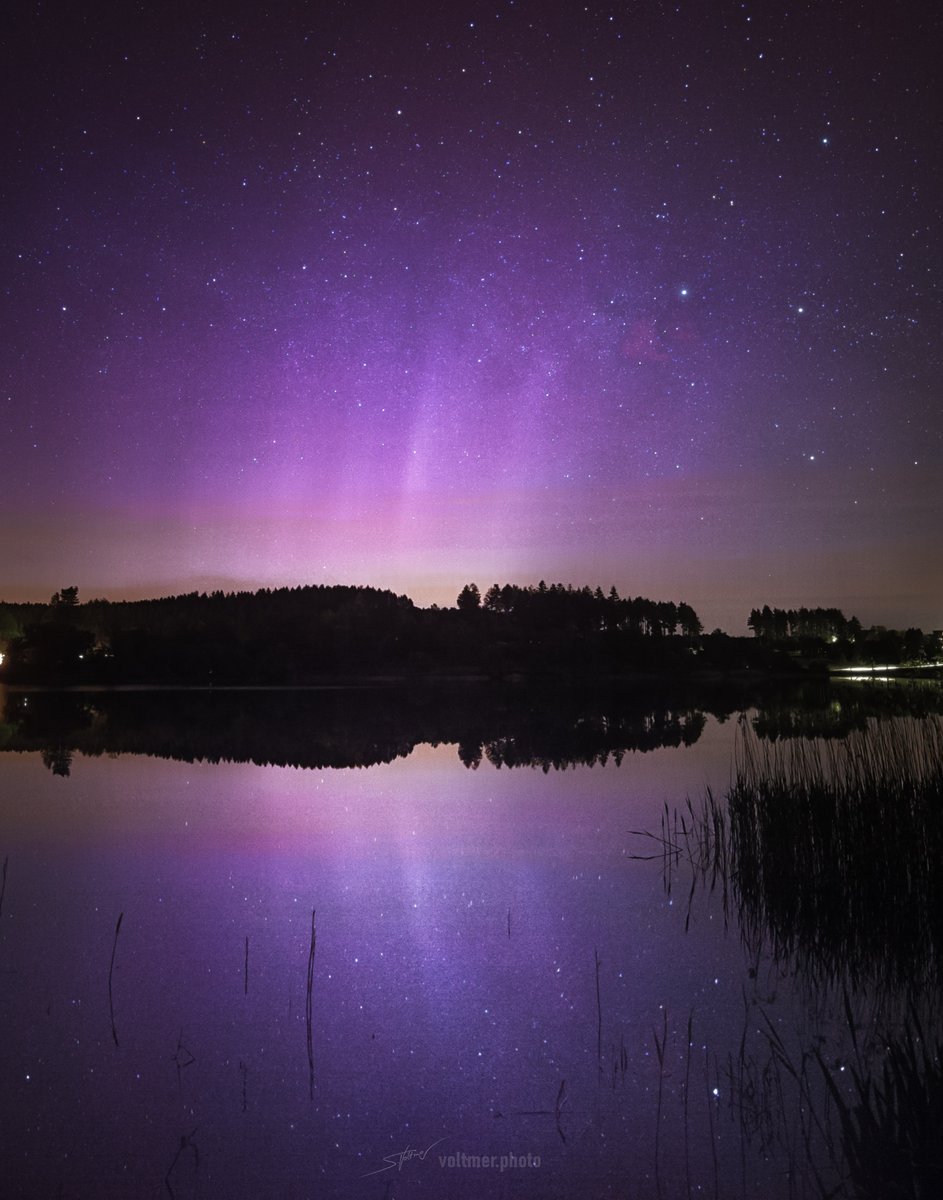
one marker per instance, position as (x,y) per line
(306,634)
(556,604)
(823,623)
(842,639)
(303,635)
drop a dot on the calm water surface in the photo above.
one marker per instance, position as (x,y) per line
(493,975)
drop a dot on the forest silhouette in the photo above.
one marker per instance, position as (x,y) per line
(309,635)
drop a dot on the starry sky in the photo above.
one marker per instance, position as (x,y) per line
(411,294)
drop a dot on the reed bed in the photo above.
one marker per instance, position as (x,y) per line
(835,850)
(830,855)
(830,851)
(892,1120)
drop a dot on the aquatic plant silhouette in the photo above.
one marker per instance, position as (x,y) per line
(111,971)
(310,985)
(829,851)
(829,856)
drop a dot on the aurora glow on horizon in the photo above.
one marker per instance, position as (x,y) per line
(410,295)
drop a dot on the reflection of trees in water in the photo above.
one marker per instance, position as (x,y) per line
(505,726)
(836,708)
(592,741)
(58,760)
(788,722)
(348,728)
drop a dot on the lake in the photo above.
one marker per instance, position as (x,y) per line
(236,962)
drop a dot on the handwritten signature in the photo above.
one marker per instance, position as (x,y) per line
(397,1160)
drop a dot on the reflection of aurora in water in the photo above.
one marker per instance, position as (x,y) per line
(483,938)
(461,915)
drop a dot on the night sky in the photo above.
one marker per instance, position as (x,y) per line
(411,294)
